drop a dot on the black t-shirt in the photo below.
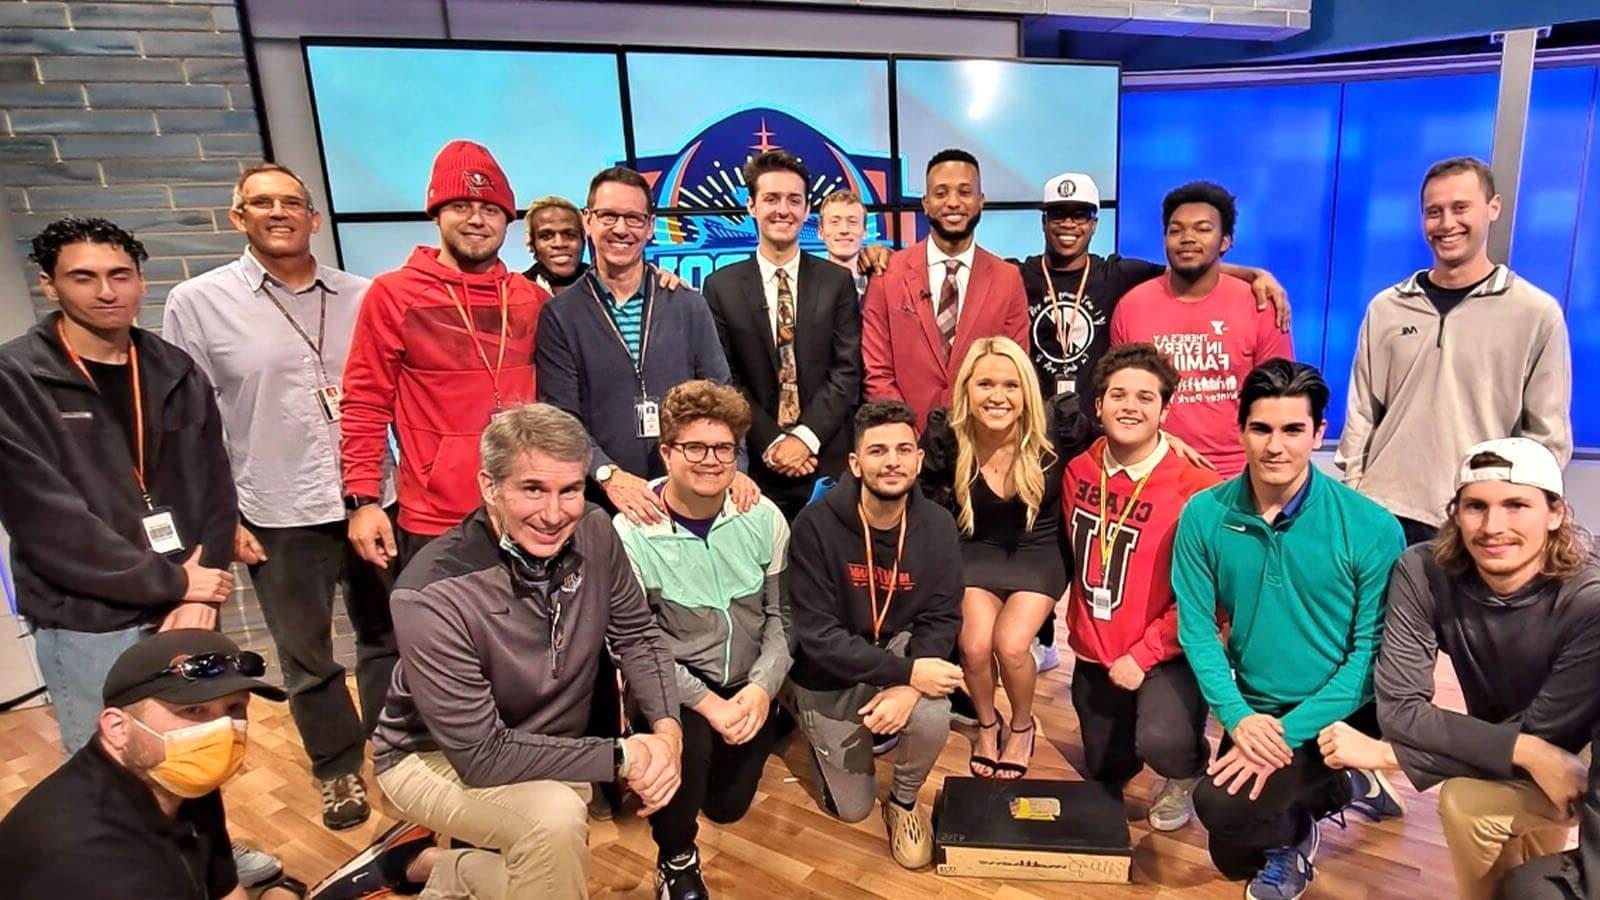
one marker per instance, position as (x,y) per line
(116,388)
(92,831)
(1446,299)
(1089,332)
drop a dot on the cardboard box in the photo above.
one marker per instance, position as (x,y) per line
(982,829)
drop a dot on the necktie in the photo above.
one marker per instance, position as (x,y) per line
(949,294)
(788,382)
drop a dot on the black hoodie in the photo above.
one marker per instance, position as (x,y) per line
(828,591)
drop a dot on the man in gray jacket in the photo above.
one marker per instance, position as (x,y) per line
(501,623)
(1458,353)
(1511,593)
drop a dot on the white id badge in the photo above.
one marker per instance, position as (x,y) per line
(647,418)
(1063,385)
(328,398)
(161,531)
(1100,603)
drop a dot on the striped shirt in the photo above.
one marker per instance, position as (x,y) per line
(628,316)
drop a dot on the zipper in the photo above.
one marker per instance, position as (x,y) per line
(556,638)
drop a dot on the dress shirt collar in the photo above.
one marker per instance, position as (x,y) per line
(937,257)
(255,274)
(769,269)
(1141,469)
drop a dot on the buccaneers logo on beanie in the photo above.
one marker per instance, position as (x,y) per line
(464,170)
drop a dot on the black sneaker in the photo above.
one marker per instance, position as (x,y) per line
(679,879)
(379,870)
(344,802)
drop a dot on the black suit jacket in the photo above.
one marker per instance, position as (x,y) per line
(827,358)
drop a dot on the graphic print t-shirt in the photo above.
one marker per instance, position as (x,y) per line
(1088,332)
(1214,343)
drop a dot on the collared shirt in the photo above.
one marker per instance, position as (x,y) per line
(628,315)
(769,287)
(284,451)
(1140,470)
(936,273)
(1293,506)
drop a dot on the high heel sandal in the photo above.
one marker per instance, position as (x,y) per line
(999,723)
(1009,771)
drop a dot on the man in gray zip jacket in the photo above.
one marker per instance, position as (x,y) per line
(501,623)
(1462,352)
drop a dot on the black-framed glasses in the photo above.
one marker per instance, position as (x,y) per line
(202,666)
(609,218)
(695,452)
(1078,215)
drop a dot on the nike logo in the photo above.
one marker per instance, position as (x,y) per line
(1238,528)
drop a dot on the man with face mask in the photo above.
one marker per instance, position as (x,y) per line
(138,811)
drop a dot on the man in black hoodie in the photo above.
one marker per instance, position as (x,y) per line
(875,584)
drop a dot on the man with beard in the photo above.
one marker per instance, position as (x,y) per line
(938,296)
(791,331)
(1458,353)
(1205,320)
(875,584)
(440,344)
(555,238)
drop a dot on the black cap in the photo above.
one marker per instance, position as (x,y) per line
(136,675)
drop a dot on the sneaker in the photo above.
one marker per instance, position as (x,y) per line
(910,834)
(1174,805)
(883,743)
(679,879)
(1044,658)
(1373,796)
(1288,872)
(379,870)
(961,708)
(344,802)
(255,867)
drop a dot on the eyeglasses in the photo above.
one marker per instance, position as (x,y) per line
(203,666)
(289,204)
(1077,215)
(694,451)
(609,217)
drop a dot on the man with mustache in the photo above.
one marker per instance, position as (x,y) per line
(939,295)
(1458,353)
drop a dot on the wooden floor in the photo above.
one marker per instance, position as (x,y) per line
(786,847)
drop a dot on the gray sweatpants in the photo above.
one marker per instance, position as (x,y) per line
(841,746)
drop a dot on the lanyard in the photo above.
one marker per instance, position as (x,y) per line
(322,323)
(1062,328)
(1106,534)
(872,579)
(644,338)
(505,320)
(138,404)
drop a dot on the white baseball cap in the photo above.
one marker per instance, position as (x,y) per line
(1072,187)
(1530,463)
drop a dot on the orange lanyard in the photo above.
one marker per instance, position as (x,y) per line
(1106,534)
(872,580)
(1062,327)
(138,403)
(505,321)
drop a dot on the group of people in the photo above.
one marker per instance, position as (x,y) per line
(634,533)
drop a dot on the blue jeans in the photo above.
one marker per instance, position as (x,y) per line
(74,665)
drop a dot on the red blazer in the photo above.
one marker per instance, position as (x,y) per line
(901,348)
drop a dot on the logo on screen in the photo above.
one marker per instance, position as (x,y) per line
(708,174)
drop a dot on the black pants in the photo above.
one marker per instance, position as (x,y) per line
(295,588)
(1241,830)
(719,779)
(408,545)
(1163,724)
(1417,532)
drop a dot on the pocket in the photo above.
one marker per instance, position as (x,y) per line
(451,475)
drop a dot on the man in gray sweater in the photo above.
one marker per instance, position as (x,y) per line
(501,623)
(1458,353)
(1511,593)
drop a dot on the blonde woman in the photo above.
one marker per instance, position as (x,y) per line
(997,461)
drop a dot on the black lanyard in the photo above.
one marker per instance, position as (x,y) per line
(645,284)
(322,322)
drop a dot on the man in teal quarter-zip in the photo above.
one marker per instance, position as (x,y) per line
(713,576)
(1293,565)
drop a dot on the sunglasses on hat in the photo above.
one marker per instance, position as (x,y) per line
(202,666)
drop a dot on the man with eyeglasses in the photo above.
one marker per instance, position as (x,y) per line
(439,346)
(272,330)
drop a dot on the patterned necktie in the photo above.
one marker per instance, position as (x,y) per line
(949,294)
(788,381)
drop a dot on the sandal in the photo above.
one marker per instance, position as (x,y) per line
(1008,771)
(984,761)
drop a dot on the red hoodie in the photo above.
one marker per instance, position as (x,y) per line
(412,363)
(1144,616)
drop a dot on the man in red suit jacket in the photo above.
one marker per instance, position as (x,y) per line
(939,295)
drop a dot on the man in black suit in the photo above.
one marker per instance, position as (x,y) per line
(791,330)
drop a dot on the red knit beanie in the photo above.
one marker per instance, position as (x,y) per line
(464,170)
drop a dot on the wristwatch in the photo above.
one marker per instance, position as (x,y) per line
(619,758)
(603,474)
(353,502)
(287,882)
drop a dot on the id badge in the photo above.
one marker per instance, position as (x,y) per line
(1100,603)
(1063,385)
(328,398)
(647,418)
(161,531)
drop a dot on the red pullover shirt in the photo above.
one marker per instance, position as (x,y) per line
(414,362)
(1143,620)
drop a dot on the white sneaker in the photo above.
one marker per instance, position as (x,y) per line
(1174,804)
(1044,658)
(255,867)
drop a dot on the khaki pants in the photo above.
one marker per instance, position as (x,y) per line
(534,835)
(1493,826)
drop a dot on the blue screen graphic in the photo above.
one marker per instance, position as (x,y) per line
(1018,234)
(372,248)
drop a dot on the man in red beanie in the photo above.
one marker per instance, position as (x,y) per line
(441,343)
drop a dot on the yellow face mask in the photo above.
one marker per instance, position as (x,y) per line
(201,757)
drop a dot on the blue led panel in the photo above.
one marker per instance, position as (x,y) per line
(372,248)
(1017,233)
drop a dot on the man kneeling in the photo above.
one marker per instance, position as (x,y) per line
(501,622)
(875,584)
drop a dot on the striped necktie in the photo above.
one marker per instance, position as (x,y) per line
(949,296)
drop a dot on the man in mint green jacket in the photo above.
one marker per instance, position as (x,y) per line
(1280,576)
(713,578)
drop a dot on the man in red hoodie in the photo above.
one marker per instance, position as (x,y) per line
(441,343)
(1136,698)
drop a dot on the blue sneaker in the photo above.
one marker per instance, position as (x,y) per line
(1044,658)
(1288,871)
(1373,796)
